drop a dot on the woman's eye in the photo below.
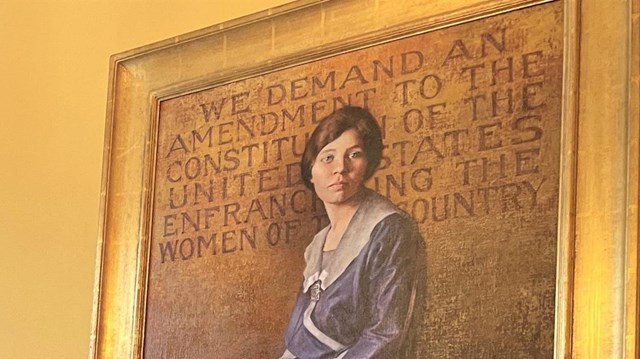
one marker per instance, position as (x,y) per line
(355,154)
(327,158)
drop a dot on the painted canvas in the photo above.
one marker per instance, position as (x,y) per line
(470,120)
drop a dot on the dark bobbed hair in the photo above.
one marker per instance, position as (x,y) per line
(334,125)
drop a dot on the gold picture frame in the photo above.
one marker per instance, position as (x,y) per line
(596,267)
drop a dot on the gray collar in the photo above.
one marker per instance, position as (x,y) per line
(373,209)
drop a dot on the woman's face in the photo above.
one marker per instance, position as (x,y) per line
(339,168)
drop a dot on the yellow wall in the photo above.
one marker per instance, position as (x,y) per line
(53,83)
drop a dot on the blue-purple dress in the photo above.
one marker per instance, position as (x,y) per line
(368,294)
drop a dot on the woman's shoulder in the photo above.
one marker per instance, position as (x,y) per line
(397,239)
(392,215)
(397,224)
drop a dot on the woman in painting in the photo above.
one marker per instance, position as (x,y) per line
(361,282)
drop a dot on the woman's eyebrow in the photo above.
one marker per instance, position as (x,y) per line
(327,150)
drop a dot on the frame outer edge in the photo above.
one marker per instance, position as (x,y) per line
(633,182)
(606,234)
(102,220)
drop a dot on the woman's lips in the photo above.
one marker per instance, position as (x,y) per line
(338,185)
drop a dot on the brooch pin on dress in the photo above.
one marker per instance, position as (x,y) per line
(315,291)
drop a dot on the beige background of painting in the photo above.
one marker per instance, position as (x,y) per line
(54,62)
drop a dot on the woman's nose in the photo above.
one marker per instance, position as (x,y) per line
(342,165)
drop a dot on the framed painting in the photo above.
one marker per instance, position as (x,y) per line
(481,105)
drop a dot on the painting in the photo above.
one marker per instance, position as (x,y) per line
(529,235)
(470,116)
